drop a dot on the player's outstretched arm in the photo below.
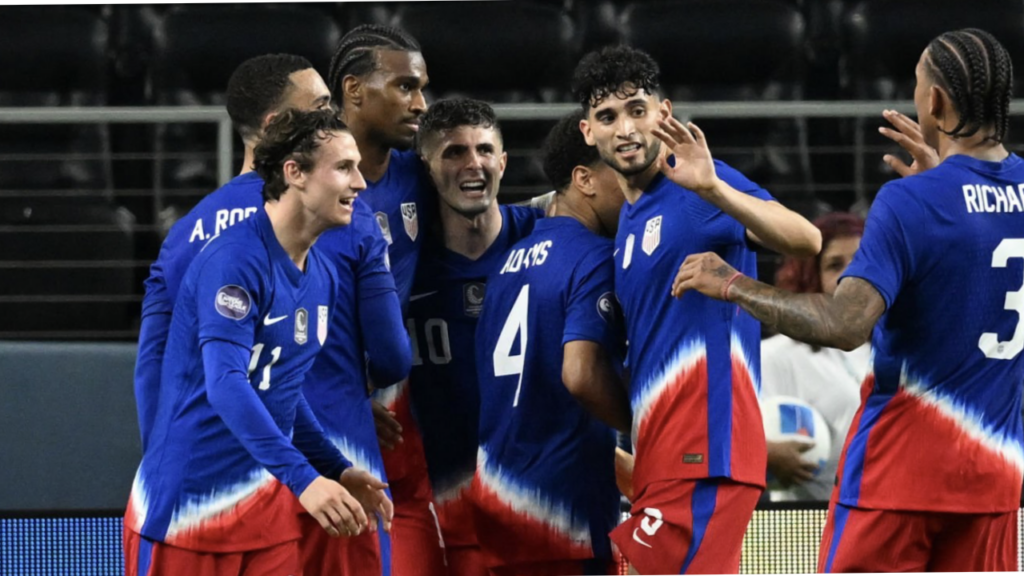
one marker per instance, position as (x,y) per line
(590,378)
(309,437)
(768,223)
(369,491)
(841,321)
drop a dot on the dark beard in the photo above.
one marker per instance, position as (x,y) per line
(652,155)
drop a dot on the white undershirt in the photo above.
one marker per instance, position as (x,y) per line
(829,380)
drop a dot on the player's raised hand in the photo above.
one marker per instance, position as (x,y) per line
(706,273)
(389,431)
(333,507)
(369,492)
(785,462)
(908,134)
(694,169)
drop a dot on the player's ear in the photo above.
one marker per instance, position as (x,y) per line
(665,109)
(352,89)
(502,161)
(588,135)
(938,101)
(293,174)
(583,180)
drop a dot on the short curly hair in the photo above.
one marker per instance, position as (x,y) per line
(565,149)
(451,113)
(257,87)
(618,70)
(292,135)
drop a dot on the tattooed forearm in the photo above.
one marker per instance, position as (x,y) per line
(841,321)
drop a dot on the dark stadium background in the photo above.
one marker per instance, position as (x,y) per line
(84,206)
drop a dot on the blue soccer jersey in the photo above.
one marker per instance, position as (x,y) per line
(402,202)
(695,361)
(939,428)
(228,205)
(442,319)
(545,482)
(224,467)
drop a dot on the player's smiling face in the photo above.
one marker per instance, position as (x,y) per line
(466,165)
(393,98)
(330,188)
(620,126)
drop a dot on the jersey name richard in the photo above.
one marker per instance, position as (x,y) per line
(983,198)
(523,258)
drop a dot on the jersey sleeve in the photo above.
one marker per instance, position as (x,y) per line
(373,271)
(166,273)
(883,259)
(233,398)
(311,440)
(737,180)
(148,367)
(591,306)
(228,293)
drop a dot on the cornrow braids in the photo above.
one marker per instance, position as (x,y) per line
(292,135)
(976,71)
(356,53)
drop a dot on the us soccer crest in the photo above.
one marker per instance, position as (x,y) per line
(385,228)
(473,298)
(412,225)
(301,326)
(322,316)
(652,235)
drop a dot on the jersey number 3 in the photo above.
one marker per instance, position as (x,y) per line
(505,363)
(989,341)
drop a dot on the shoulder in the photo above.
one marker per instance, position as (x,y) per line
(522,216)
(236,248)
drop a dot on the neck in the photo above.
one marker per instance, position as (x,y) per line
(569,204)
(293,227)
(248,158)
(975,146)
(375,156)
(470,236)
(633,185)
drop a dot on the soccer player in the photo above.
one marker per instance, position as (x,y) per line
(698,438)
(377,76)
(930,478)
(548,353)
(234,442)
(259,89)
(460,142)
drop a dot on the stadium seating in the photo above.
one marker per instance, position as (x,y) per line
(67,67)
(195,49)
(67,267)
(883,40)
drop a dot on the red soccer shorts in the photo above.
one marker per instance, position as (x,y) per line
(860,540)
(688,527)
(144,557)
(322,554)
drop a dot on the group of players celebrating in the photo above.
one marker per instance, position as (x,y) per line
(353,360)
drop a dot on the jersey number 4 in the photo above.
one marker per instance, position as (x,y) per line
(515,328)
(989,341)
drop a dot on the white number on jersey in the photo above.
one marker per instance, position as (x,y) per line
(435,331)
(989,341)
(505,364)
(275,355)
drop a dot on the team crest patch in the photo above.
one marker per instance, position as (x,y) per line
(412,225)
(385,228)
(301,326)
(606,307)
(232,302)
(473,298)
(322,317)
(627,255)
(652,235)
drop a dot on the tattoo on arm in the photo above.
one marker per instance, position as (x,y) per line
(842,321)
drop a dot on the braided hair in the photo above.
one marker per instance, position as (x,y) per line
(977,73)
(356,53)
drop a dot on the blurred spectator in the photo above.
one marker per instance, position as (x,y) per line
(826,378)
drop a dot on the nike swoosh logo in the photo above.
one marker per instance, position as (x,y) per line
(415,297)
(268,320)
(635,537)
